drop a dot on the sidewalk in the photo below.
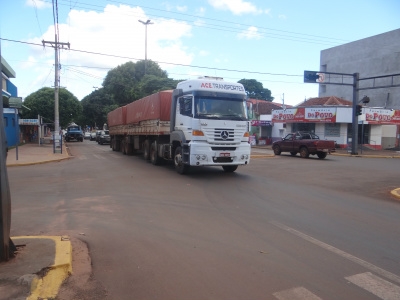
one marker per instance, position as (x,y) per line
(41,263)
(30,154)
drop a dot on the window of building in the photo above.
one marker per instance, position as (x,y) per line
(332,129)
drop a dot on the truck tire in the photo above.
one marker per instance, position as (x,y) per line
(229,169)
(154,158)
(277,150)
(180,167)
(146,150)
(304,152)
(321,155)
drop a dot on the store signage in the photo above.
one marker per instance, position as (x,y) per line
(15,102)
(305,115)
(28,122)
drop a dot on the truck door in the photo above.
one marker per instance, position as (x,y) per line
(184,115)
(287,142)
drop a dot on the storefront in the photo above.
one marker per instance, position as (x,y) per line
(378,128)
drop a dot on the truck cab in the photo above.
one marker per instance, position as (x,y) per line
(209,124)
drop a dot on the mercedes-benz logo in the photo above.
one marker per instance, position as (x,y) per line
(224,134)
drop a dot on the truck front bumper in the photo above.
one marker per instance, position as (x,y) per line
(203,154)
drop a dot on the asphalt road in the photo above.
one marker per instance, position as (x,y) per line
(279,228)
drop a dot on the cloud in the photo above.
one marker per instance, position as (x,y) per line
(38,4)
(282,17)
(116,33)
(237,7)
(250,33)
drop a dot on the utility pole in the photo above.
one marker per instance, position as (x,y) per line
(56,45)
(148,22)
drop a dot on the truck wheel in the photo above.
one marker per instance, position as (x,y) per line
(154,158)
(304,152)
(180,167)
(321,155)
(229,169)
(293,153)
(146,150)
(277,150)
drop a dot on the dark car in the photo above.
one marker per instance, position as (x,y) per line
(104,137)
(98,132)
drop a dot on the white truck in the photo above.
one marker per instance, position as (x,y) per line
(203,122)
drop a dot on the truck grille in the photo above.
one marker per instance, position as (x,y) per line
(224,135)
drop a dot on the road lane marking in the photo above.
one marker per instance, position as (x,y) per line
(359,261)
(376,285)
(98,156)
(297,293)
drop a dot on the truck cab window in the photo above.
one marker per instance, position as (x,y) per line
(185,104)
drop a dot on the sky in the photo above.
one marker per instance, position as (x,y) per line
(272,42)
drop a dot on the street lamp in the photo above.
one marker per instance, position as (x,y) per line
(148,22)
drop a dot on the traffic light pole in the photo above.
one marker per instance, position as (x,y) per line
(354,131)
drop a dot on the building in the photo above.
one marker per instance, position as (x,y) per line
(370,57)
(331,118)
(10,117)
(330,114)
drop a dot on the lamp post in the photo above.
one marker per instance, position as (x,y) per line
(148,22)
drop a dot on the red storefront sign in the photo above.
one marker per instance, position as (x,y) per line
(305,115)
(382,116)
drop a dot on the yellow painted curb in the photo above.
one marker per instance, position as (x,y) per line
(396,193)
(47,287)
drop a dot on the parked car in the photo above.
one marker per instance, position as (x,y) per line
(93,136)
(305,143)
(98,132)
(86,135)
(104,137)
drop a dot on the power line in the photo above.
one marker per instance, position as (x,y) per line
(280,34)
(167,63)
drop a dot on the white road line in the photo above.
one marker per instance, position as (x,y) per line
(376,285)
(98,156)
(297,293)
(339,252)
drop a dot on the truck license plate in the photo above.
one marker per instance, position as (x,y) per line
(225,154)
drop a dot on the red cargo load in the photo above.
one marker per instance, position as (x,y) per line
(154,107)
(117,117)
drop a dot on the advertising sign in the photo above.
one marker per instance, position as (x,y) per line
(382,116)
(320,114)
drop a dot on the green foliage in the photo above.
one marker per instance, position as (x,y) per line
(255,90)
(125,81)
(96,106)
(41,103)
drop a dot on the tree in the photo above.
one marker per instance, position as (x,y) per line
(96,106)
(41,103)
(123,82)
(255,90)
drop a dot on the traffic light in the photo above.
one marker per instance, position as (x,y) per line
(311,76)
(358,110)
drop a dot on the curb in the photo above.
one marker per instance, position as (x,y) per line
(38,162)
(48,285)
(365,155)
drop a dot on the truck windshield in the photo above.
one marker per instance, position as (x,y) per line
(220,108)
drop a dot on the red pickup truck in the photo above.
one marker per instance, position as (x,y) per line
(305,143)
